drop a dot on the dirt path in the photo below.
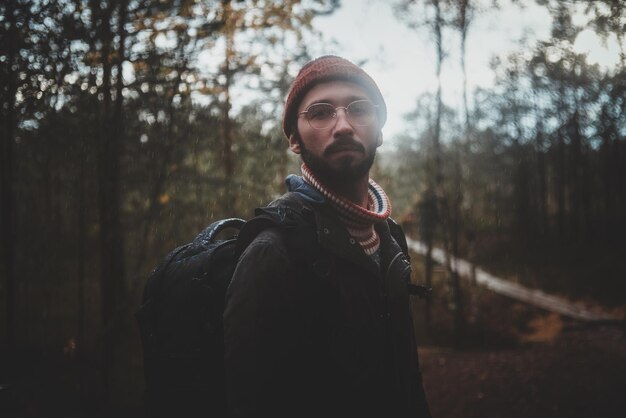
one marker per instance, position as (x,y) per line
(582,373)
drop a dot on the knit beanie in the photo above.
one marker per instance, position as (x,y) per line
(324,69)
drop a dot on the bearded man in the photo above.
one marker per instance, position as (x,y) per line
(317,320)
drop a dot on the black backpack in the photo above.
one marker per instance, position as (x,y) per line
(180,319)
(181,326)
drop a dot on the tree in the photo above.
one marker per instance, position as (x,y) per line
(254,37)
(438,14)
(13,42)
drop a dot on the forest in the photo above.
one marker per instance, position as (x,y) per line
(124,132)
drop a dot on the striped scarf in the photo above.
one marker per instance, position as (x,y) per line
(359,221)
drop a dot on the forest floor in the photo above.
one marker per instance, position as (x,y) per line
(556,368)
(578,372)
(514,360)
(517,360)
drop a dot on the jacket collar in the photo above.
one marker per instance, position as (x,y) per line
(332,234)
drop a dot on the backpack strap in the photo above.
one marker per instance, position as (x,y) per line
(398,234)
(207,236)
(286,213)
(296,223)
(420,291)
(250,230)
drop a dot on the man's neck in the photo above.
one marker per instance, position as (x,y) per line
(354,191)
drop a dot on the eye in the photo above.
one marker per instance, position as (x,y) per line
(320,111)
(361,108)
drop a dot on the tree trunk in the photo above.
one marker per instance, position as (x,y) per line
(560,186)
(111,239)
(107,250)
(7,192)
(463,26)
(427,221)
(574,178)
(607,155)
(443,208)
(226,124)
(159,185)
(82,233)
(428,281)
(542,189)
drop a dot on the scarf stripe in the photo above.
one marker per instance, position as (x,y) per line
(359,221)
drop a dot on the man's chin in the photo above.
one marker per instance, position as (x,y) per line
(345,164)
(345,169)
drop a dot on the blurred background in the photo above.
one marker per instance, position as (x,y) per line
(128,126)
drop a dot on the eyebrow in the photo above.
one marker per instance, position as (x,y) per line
(349,100)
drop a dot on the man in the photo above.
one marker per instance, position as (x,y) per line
(317,320)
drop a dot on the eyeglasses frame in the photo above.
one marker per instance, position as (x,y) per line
(345,109)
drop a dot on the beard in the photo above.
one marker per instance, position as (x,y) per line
(346,172)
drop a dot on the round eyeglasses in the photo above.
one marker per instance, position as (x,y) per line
(324,115)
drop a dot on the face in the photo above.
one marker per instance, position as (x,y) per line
(343,151)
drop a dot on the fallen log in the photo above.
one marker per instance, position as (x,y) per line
(516,291)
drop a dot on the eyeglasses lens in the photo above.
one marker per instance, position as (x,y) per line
(321,115)
(361,112)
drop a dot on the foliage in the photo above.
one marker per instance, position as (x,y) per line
(542,167)
(117,117)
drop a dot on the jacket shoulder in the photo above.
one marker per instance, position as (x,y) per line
(269,239)
(289,200)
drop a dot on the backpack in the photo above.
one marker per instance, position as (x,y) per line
(180,321)
(180,318)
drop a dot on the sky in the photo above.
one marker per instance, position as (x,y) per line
(402,60)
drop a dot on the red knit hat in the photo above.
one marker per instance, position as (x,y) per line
(321,70)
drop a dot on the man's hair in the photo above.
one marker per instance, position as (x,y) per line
(325,69)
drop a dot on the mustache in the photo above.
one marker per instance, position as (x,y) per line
(344,145)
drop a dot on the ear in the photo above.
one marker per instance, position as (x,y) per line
(379,139)
(294,145)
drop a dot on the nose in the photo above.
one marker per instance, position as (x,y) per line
(342,124)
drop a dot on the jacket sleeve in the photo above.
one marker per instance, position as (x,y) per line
(257,322)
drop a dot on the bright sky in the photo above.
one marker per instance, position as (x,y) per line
(402,61)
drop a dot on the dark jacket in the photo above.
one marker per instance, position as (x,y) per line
(314,327)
